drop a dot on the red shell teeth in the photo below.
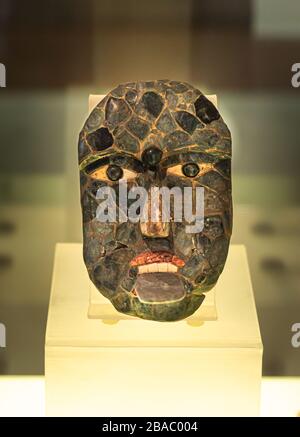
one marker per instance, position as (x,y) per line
(156,257)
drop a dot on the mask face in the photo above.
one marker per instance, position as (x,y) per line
(144,136)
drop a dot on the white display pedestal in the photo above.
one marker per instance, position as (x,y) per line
(144,368)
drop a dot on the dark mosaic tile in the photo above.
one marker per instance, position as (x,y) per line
(94,185)
(221,128)
(153,103)
(186,121)
(211,277)
(83,179)
(191,95)
(154,140)
(205,110)
(213,227)
(128,283)
(193,265)
(165,123)
(223,145)
(190,107)
(127,142)
(95,120)
(138,127)
(83,149)
(202,243)
(227,220)
(212,202)
(194,156)
(103,231)
(122,303)
(100,139)
(183,242)
(161,86)
(89,206)
(131,96)
(171,160)
(176,140)
(119,91)
(120,160)
(172,99)
(150,84)
(177,181)
(117,111)
(224,166)
(92,166)
(92,251)
(218,253)
(178,87)
(127,233)
(214,181)
(205,138)
(141,111)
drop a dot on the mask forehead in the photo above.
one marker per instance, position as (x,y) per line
(169,115)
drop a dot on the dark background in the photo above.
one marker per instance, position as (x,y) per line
(58,52)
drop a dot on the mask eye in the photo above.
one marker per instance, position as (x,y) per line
(113,173)
(190,170)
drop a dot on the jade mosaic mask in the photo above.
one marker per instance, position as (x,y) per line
(144,136)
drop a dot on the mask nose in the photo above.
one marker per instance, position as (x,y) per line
(155,230)
(154,226)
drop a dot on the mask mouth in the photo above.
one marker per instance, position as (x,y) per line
(159,288)
(157,280)
(157,257)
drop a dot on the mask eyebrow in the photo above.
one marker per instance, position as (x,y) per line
(90,168)
(191,156)
(126,161)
